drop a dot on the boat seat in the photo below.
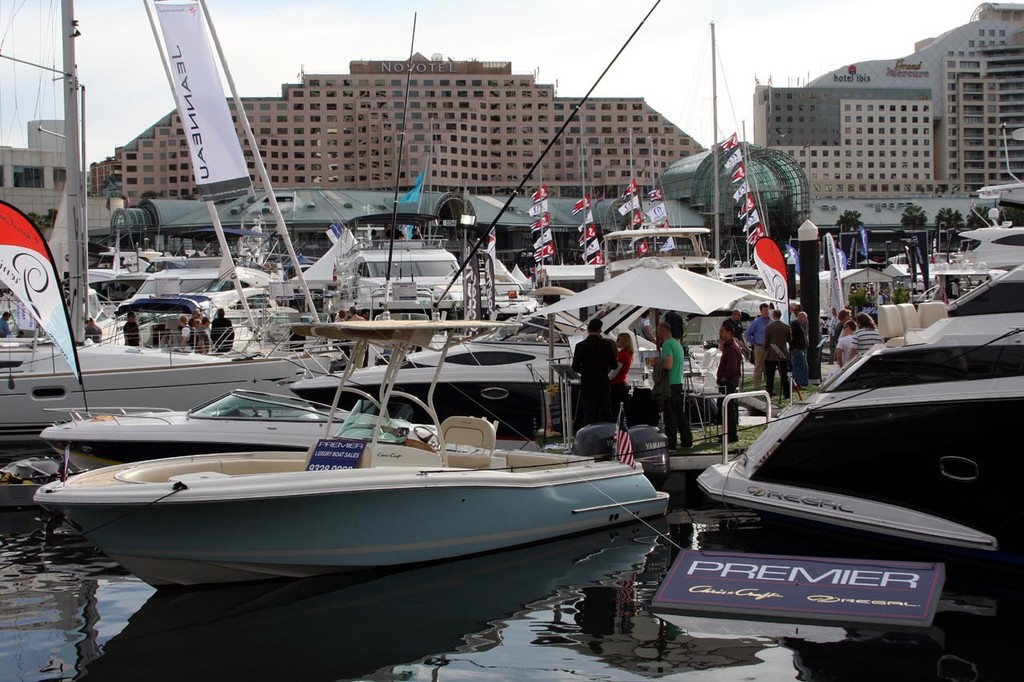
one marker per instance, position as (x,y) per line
(475,432)
(890,325)
(930,312)
(910,319)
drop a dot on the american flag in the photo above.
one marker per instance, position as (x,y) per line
(623,444)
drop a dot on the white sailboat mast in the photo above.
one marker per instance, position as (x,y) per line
(78,231)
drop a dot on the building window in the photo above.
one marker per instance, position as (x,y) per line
(28,176)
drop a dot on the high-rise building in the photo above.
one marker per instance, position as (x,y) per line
(475,126)
(929,123)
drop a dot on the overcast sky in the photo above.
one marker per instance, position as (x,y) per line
(566,42)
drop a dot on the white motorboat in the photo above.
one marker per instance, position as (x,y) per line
(904,443)
(501,377)
(378,496)
(240,420)
(37,381)
(995,247)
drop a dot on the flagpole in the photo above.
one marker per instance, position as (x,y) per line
(282,228)
(227,266)
(385,314)
(714,148)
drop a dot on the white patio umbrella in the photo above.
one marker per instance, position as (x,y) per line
(657,283)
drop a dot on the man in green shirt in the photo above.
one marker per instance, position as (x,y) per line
(673,363)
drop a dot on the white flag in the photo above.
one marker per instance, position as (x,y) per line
(540,208)
(592,248)
(752,219)
(218,164)
(630,205)
(741,191)
(544,238)
(657,212)
(736,157)
(669,244)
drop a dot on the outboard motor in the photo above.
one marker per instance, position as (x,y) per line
(649,447)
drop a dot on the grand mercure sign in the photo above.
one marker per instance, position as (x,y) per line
(844,592)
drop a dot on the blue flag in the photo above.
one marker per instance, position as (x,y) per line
(791,252)
(414,193)
(863,242)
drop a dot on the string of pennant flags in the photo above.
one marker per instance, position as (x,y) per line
(743,195)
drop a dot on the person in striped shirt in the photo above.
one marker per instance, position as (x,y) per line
(866,337)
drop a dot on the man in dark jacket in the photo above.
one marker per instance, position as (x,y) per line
(593,359)
(729,373)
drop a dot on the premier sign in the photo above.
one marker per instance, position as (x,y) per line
(802,589)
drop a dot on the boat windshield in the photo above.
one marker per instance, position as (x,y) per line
(244,405)
(361,423)
(412,269)
(528,332)
(911,366)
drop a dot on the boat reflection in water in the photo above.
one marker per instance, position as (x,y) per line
(579,593)
(576,607)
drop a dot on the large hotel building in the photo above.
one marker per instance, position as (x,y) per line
(929,123)
(482,127)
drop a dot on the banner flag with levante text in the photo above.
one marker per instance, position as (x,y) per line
(218,164)
(28,270)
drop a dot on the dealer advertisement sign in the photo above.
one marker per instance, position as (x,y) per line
(336,453)
(803,589)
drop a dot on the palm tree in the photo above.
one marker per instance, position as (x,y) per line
(849,221)
(914,216)
(949,219)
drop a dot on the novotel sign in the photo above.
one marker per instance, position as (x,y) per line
(802,589)
(417,67)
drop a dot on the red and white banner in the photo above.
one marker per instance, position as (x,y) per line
(772,266)
(544,221)
(583,203)
(731,143)
(757,233)
(28,270)
(656,194)
(540,194)
(740,172)
(218,164)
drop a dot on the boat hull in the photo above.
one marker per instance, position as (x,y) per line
(36,400)
(310,523)
(851,514)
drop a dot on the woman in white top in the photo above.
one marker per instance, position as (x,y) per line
(844,346)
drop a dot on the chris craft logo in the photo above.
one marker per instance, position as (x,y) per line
(851,76)
(904,69)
